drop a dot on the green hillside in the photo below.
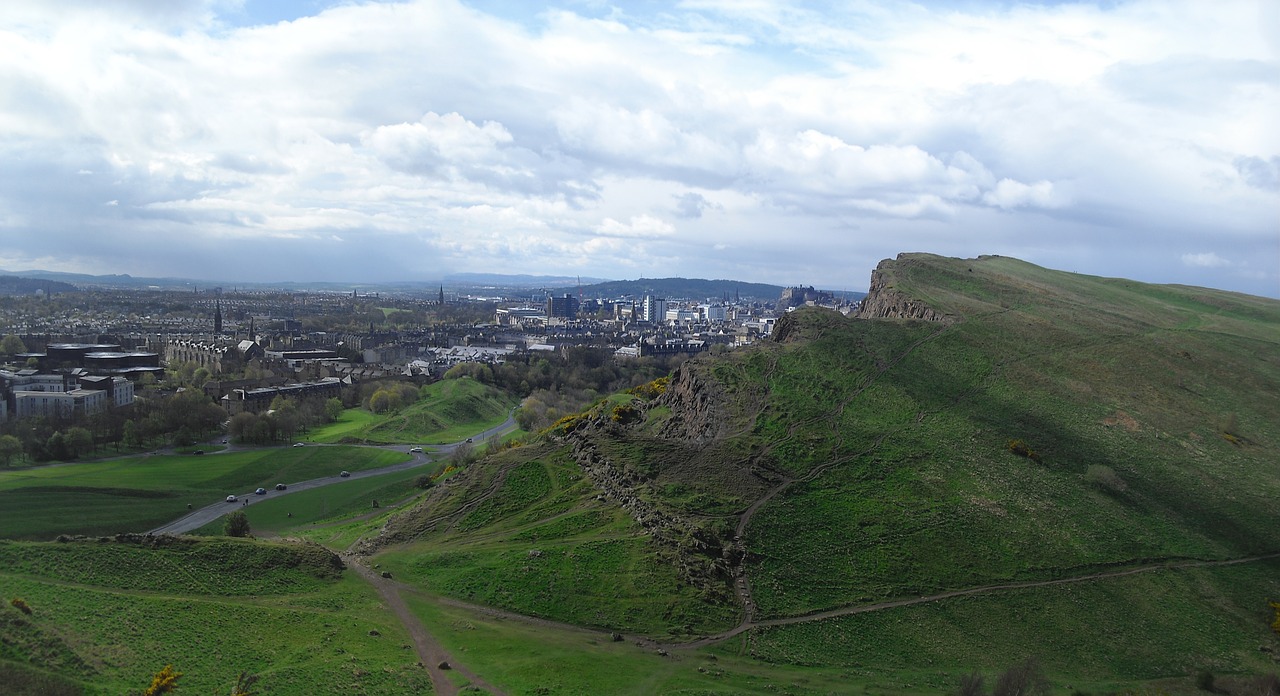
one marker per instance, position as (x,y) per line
(1040,436)
(103,617)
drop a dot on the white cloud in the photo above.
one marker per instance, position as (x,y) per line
(1014,194)
(1205,260)
(484,142)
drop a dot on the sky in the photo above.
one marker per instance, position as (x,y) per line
(758,140)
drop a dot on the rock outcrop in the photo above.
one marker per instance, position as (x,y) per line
(883,301)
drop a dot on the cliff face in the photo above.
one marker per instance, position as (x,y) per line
(693,402)
(883,301)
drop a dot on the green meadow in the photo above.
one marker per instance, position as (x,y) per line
(134,494)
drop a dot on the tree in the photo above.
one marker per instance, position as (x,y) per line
(78,442)
(12,345)
(237,525)
(10,447)
(131,437)
(56,446)
(333,409)
(165,681)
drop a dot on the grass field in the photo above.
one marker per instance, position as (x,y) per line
(299,511)
(139,493)
(312,630)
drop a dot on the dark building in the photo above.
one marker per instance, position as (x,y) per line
(565,307)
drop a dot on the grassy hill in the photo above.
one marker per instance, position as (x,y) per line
(104,616)
(1040,426)
(448,411)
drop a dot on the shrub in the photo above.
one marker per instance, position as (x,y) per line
(237,525)
(1022,449)
(424,482)
(971,685)
(21,605)
(163,682)
(1204,681)
(1275,625)
(624,414)
(651,390)
(1023,679)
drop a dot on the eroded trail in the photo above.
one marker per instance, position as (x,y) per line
(430,653)
(984,589)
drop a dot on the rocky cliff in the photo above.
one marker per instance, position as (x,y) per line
(884,301)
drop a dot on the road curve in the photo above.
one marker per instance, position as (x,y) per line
(199,518)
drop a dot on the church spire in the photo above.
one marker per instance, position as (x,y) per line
(217,317)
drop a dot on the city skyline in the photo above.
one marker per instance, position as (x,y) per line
(766,141)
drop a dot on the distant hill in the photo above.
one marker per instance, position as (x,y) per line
(995,461)
(684,289)
(14,285)
(500,280)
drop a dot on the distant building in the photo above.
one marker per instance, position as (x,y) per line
(565,307)
(259,400)
(654,309)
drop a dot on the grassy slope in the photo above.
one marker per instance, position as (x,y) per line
(211,609)
(523,531)
(939,503)
(450,410)
(138,493)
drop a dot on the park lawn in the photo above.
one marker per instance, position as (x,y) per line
(140,493)
(349,424)
(300,511)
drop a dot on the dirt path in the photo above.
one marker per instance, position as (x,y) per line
(430,653)
(985,589)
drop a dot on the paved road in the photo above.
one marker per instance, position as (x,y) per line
(199,518)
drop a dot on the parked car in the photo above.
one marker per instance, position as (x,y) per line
(468,439)
(231,499)
(417,450)
(280,486)
(345,474)
(260,491)
(298,444)
(198,452)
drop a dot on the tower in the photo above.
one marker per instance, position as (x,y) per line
(441,303)
(217,317)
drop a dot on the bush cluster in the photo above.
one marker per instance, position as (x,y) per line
(1022,449)
(651,390)
(21,605)
(624,413)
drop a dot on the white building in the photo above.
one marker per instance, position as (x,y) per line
(655,309)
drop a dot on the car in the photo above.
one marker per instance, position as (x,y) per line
(231,499)
(224,442)
(260,491)
(198,452)
(468,439)
(280,486)
(298,444)
(345,474)
(418,450)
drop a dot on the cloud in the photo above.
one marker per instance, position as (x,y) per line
(689,206)
(638,227)
(1259,173)
(1205,260)
(1014,194)
(598,136)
